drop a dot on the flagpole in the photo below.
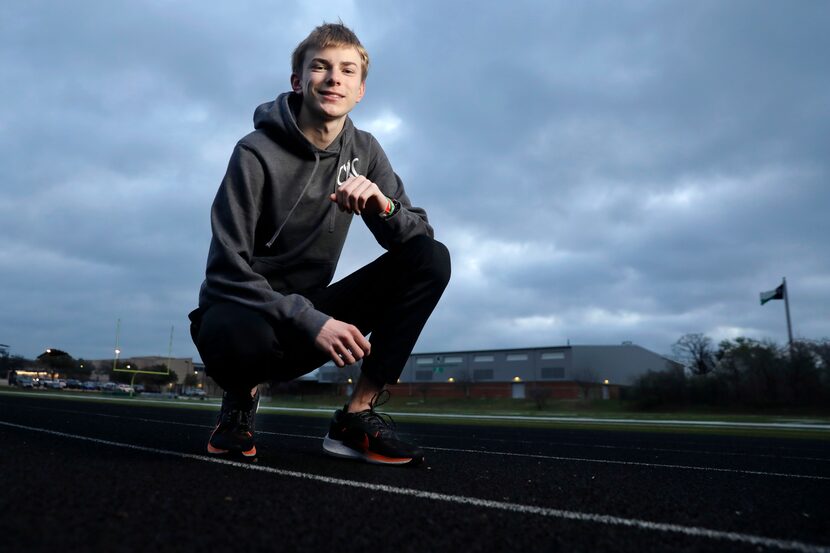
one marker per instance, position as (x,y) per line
(787,309)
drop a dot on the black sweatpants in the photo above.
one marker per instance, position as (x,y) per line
(391,298)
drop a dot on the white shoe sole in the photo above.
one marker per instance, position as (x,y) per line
(336,448)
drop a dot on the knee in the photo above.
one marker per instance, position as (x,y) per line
(429,257)
(230,333)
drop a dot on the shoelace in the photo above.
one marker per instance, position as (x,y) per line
(381,422)
(236,417)
(233,416)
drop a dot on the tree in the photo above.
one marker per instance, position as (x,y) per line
(660,388)
(81,371)
(586,378)
(540,395)
(695,351)
(58,362)
(821,351)
(752,369)
(747,372)
(4,360)
(801,374)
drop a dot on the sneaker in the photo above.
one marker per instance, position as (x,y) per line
(370,436)
(234,432)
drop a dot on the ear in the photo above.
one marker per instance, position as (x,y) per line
(296,83)
(361,91)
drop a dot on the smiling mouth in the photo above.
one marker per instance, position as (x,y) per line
(331,95)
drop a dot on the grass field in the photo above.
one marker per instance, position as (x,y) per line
(575,408)
(595,414)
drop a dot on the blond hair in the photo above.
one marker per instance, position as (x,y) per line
(326,36)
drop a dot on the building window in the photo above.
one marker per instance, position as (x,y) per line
(517,357)
(483,374)
(423,375)
(424,361)
(453,360)
(553,355)
(483,359)
(552,373)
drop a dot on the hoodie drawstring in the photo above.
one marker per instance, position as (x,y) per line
(333,210)
(299,199)
(340,164)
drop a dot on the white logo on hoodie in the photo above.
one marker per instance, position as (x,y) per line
(349,169)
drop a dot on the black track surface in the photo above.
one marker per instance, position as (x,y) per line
(61,493)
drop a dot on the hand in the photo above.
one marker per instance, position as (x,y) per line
(360,195)
(343,342)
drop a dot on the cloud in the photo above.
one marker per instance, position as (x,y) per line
(386,127)
(600,172)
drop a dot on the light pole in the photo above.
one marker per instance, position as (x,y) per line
(132,381)
(117,351)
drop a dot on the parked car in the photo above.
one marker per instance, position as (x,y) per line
(44,382)
(124,388)
(108,387)
(55,384)
(90,385)
(73,384)
(194,392)
(25,382)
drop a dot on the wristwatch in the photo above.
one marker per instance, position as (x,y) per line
(396,206)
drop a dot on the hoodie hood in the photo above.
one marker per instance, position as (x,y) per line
(277,236)
(279,119)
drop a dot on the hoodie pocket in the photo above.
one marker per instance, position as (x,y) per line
(294,277)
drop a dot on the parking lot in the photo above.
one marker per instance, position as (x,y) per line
(28,383)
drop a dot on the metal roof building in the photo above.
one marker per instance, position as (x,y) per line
(509,369)
(607,364)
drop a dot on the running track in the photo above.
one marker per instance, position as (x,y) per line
(100,476)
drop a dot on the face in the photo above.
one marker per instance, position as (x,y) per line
(330,83)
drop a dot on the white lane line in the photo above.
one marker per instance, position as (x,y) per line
(641,448)
(450,416)
(630,463)
(691,531)
(532,455)
(633,422)
(510,453)
(486,439)
(676,449)
(563,444)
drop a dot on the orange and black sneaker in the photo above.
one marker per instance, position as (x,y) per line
(369,436)
(234,432)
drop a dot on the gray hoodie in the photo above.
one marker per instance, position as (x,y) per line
(276,234)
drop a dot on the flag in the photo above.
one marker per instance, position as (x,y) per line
(777,294)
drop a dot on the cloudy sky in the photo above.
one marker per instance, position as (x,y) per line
(601,171)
